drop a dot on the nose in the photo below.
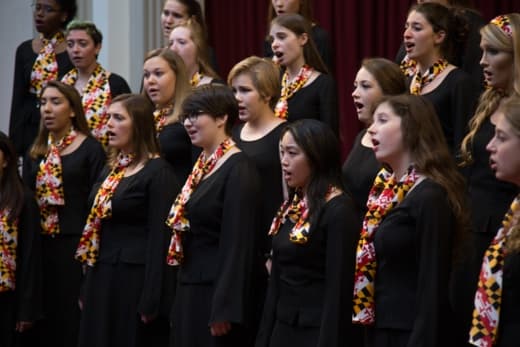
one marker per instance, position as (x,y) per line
(174,47)
(406,32)
(491,145)
(483,59)
(372,129)
(355,94)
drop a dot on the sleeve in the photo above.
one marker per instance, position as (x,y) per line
(20,88)
(322,41)
(435,231)
(29,260)
(118,85)
(464,100)
(266,327)
(236,245)
(162,189)
(97,161)
(29,172)
(329,104)
(342,230)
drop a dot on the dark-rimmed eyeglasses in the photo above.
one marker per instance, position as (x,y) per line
(191,116)
(47,9)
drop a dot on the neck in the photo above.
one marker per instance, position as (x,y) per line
(424,63)
(193,70)
(50,35)
(60,134)
(87,72)
(294,68)
(401,165)
(264,117)
(210,149)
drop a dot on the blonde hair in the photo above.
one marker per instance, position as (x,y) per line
(490,100)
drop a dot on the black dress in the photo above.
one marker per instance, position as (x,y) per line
(322,41)
(25,113)
(127,279)
(62,274)
(176,149)
(264,153)
(214,283)
(413,247)
(318,100)
(359,171)
(509,323)
(454,100)
(25,302)
(309,299)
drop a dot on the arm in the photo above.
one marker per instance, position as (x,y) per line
(97,160)
(265,329)
(435,230)
(20,89)
(161,191)
(463,104)
(342,225)
(236,245)
(118,85)
(329,103)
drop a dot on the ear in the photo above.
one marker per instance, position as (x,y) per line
(221,121)
(303,38)
(439,37)
(98,49)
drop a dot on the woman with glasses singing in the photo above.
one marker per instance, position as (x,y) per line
(213,222)
(38,61)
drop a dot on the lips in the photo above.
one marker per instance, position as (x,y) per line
(359,106)
(408,46)
(492,164)
(375,144)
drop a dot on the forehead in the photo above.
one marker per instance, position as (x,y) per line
(416,17)
(364,75)
(175,6)
(277,28)
(386,109)
(51,3)
(117,107)
(181,32)
(156,62)
(243,78)
(288,140)
(78,34)
(51,92)
(502,124)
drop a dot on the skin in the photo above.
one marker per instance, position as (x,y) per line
(48,22)
(420,41)
(295,165)
(120,128)
(387,139)
(82,51)
(497,66)
(503,148)
(286,6)
(159,81)
(56,112)
(206,132)
(367,92)
(181,42)
(172,14)
(288,48)
(251,104)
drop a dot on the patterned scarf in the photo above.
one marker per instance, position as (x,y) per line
(96,99)
(385,194)
(160,115)
(177,220)
(8,246)
(195,79)
(45,67)
(288,90)
(49,183)
(88,247)
(488,297)
(298,213)
(504,24)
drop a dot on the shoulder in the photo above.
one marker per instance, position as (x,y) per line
(319,33)
(118,82)
(427,194)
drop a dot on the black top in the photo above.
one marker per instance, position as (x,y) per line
(469,57)
(322,40)
(509,323)
(264,153)
(318,100)
(25,114)
(80,170)
(413,248)
(359,171)
(176,149)
(219,247)
(311,284)
(137,233)
(454,100)
(489,197)
(118,85)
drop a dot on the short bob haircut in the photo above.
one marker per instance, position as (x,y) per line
(264,74)
(216,100)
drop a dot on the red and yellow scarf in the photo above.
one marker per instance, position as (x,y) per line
(177,220)
(298,213)
(385,194)
(288,90)
(195,79)
(88,248)
(419,81)
(45,67)
(160,115)
(96,100)
(49,183)
(488,297)
(8,247)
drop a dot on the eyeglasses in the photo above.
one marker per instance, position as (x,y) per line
(47,9)
(191,116)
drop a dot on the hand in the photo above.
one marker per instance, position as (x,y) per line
(22,326)
(220,328)
(268,265)
(147,318)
